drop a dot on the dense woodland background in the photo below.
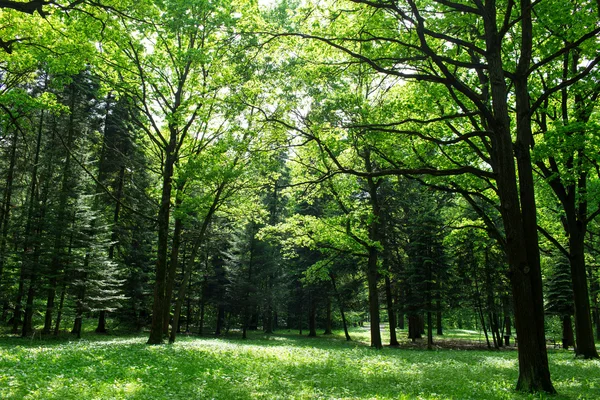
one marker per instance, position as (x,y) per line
(211,166)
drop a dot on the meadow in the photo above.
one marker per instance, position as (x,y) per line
(279,366)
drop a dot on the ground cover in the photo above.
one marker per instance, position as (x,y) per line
(281,366)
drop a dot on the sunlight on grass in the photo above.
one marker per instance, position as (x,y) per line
(269,367)
(497,362)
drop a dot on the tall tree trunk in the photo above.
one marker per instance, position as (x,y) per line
(438,317)
(372,280)
(391,312)
(190,263)
(507,321)
(35,260)
(18,302)
(490,301)
(33,198)
(80,302)
(174,259)
(428,289)
(493,330)
(583,320)
(4,222)
(483,326)
(80,307)
(522,243)
(246,311)
(517,200)
(372,263)
(156,330)
(61,304)
(63,289)
(180,296)
(497,329)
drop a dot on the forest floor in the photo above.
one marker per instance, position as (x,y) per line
(280,366)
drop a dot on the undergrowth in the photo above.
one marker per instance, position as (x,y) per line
(281,366)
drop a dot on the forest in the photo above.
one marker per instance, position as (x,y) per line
(400,170)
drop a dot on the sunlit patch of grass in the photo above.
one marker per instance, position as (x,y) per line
(283,366)
(497,362)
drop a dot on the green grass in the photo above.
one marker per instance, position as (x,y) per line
(283,366)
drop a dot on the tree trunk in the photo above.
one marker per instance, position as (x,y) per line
(401,320)
(341,305)
(32,201)
(60,309)
(156,330)
(188,315)
(173,260)
(31,273)
(583,321)
(101,328)
(518,212)
(391,312)
(414,327)
(372,263)
(180,297)
(80,308)
(189,267)
(428,296)
(78,323)
(497,329)
(429,331)
(18,302)
(438,315)
(372,278)
(483,326)
(567,332)
(220,319)
(507,322)
(7,204)
(493,329)
(63,290)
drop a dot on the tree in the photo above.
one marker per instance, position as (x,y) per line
(560,299)
(566,124)
(423,227)
(178,105)
(470,53)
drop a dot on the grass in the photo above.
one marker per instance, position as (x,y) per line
(282,366)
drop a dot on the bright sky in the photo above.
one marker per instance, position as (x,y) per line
(266,3)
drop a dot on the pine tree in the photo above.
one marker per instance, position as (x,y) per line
(559,298)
